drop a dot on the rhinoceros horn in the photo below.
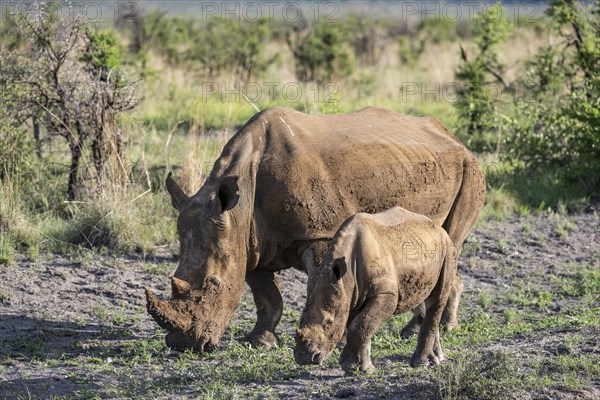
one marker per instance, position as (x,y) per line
(164,314)
(180,287)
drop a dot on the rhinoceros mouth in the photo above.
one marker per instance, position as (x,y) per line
(188,320)
(184,341)
(309,357)
(307,352)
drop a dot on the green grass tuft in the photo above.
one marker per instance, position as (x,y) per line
(482,375)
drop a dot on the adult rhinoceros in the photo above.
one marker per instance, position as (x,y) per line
(285,182)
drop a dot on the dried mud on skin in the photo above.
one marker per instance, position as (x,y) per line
(59,311)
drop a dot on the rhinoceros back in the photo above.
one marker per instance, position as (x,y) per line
(318,170)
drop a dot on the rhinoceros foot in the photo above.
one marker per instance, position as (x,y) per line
(351,362)
(262,339)
(434,357)
(450,326)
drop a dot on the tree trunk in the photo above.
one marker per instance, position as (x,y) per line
(120,171)
(36,135)
(99,156)
(73,172)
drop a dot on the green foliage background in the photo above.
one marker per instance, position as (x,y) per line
(539,140)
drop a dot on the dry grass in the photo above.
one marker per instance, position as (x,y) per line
(203,150)
(16,228)
(178,128)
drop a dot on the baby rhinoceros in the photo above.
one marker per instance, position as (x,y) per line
(376,265)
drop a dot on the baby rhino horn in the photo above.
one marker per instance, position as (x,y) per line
(180,288)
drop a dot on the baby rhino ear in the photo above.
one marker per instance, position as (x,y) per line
(339,268)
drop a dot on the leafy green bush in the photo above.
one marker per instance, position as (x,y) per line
(557,120)
(410,50)
(480,78)
(103,50)
(166,35)
(321,54)
(223,44)
(438,29)
(435,30)
(365,36)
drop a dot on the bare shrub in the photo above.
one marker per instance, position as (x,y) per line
(65,76)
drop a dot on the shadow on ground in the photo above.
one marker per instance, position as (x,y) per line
(29,344)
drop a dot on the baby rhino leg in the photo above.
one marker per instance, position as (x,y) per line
(429,350)
(357,352)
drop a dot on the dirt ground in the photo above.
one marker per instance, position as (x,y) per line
(76,326)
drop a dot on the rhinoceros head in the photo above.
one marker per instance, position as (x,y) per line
(326,312)
(208,283)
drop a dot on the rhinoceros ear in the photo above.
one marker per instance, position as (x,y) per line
(339,268)
(308,258)
(178,198)
(227,196)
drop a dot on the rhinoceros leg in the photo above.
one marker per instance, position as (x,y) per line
(269,306)
(357,351)
(449,319)
(467,206)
